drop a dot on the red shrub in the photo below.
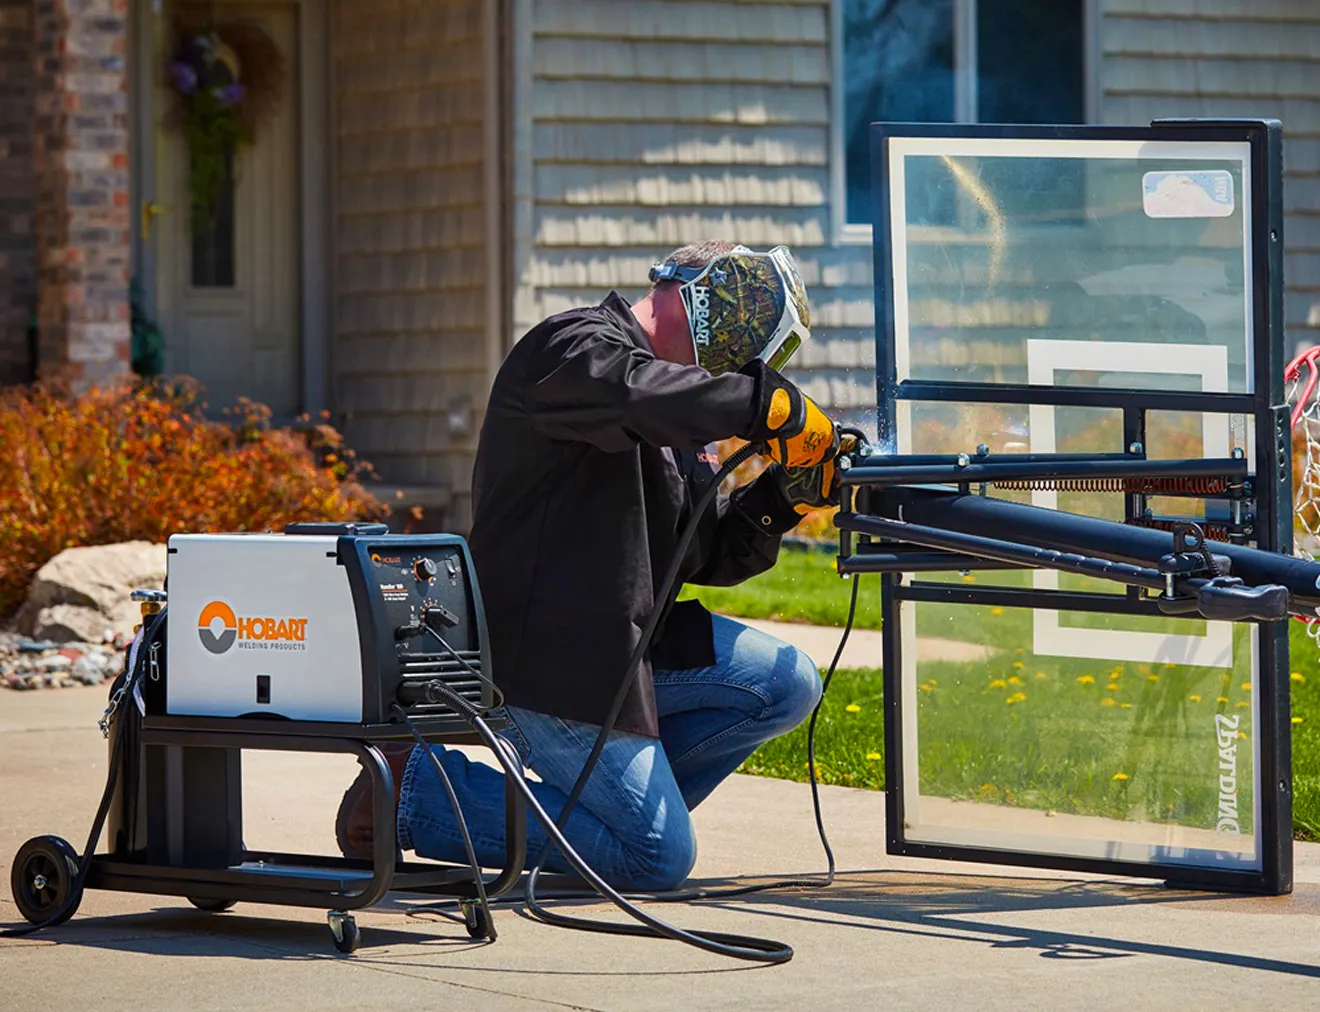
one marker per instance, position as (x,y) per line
(126,463)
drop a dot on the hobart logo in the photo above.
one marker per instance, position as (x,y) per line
(220,629)
(219,642)
(701,315)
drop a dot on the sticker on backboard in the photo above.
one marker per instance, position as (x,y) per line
(1203,193)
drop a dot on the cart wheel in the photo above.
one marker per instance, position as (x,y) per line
(343,926)
(477,920)
(211,906)
(42,878)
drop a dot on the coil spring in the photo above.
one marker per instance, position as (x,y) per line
(1213,531)
(1142,486)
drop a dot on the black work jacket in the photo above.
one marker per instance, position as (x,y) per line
(591,456)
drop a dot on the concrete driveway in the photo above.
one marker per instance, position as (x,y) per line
(891,934)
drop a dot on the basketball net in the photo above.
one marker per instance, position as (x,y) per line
(1302,381)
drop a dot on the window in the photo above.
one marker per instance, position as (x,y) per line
(949,61)
(213,239)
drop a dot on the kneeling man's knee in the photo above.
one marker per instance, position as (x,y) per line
(801,690)
(668,862)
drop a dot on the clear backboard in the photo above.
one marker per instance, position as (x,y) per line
(1091,291)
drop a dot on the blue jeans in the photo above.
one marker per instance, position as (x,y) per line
(632,823)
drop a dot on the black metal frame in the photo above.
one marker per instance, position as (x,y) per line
(202,856)
(1271,489)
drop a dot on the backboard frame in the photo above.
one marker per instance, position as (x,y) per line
(1265,403)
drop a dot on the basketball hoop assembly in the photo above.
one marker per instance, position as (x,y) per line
(1081,478)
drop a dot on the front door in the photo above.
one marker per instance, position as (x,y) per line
(228,285)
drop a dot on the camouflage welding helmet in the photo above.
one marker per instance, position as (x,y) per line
(741,306)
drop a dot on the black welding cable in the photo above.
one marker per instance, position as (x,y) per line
(102,809)
(690,895)
(721,943)
(478,881)
(667,589)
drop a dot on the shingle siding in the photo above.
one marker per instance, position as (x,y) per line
(659,123)
(649,124)
(410,235)
(1166,58)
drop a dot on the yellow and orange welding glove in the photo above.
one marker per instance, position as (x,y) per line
(796,431)
(813,488)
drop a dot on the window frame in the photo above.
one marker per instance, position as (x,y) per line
(965,97)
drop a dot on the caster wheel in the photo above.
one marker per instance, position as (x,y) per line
(211,906)
(344,928)
(42,878)
(477,920)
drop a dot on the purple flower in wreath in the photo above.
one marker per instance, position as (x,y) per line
(185,78)
(230,94)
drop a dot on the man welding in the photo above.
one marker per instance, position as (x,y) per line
(597,441)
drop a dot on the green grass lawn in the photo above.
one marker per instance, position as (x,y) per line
(1069,735)
(804,586)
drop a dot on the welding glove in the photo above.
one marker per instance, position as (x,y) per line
(813,488)
(797,432)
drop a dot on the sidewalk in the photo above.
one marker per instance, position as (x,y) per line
(864,647)
(892,934)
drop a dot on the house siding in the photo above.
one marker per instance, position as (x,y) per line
(410,353)
(648,125)
(1172,58)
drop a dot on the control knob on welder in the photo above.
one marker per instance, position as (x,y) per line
(424,569)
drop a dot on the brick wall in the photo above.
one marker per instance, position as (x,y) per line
(18,268)
(82,223)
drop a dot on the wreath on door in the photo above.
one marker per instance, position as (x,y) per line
(227,79)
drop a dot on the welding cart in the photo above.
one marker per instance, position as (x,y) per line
(378,619)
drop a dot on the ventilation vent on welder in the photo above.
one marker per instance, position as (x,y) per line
(418,669)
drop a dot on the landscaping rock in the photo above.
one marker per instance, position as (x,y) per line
(58,666)
(83,593)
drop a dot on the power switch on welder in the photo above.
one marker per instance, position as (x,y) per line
(263,689)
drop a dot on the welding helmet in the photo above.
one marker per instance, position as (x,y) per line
(741,306)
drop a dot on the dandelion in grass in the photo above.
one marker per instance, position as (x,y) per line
(1167,666)
(987,787)
(1193,698)
(1242,736)
(1085,679)
(1017,697)
(1108,702)
(999,683)
(1222,699)
(873,756)
(1297,676)
(1112,686)
(1019,665)
(1242,704)
(1245,686)
(1041,674)
(1125,706)
(853,708)
(996,612)
(1298,720)
(969,578)
(931,681)
(1014,680)
(1119,776)
(924,687)
(1152,678)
